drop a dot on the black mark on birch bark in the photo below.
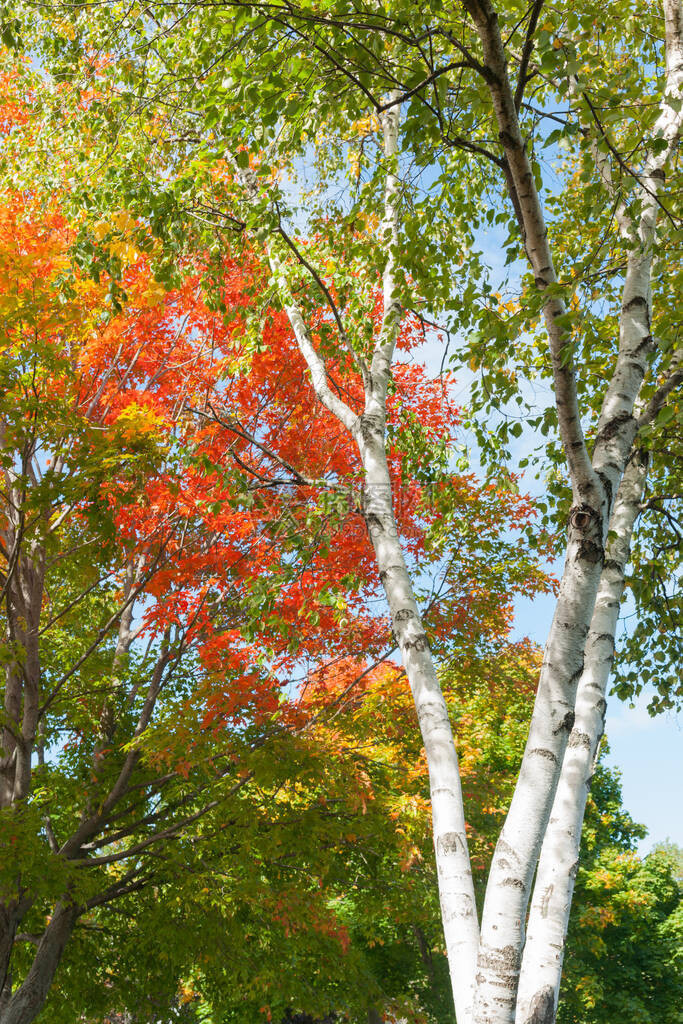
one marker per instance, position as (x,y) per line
(637,300)
(542,1008)
(607,486)
(503,964)
(647,343)
(513,883)
(543,752)
(374,522)
(567,723)
(613,426)
(418,643)
(575,676)
(590,551)
(384,573)
(449,843)
(545,902)
(580,739)
(503,847)
(371,428)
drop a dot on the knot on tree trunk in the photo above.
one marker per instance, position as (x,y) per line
(580,516)
(587,522)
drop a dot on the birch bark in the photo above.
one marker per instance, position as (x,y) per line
(456,889)
(549,918)
(456,892)
(594,482)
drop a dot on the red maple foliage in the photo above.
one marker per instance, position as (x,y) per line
(186,422)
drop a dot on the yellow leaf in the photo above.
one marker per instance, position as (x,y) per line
(100,229)
(154,294)
(123,221)
(136,419)
(126,252)
(65,29)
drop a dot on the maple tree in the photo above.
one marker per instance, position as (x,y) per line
(435,126)
(369,863)
(348,146)
(377,875)
(182,538)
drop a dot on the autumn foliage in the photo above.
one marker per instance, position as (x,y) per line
(187,437)
(209,629)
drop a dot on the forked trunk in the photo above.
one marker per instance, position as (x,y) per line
(549,917)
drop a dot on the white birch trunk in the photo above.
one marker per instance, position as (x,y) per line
(541,970)
(517,850)
(456,892)
(594,484)
(456,888)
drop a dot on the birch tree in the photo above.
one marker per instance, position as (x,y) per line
(151,574)
(468,92)
(517,974)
